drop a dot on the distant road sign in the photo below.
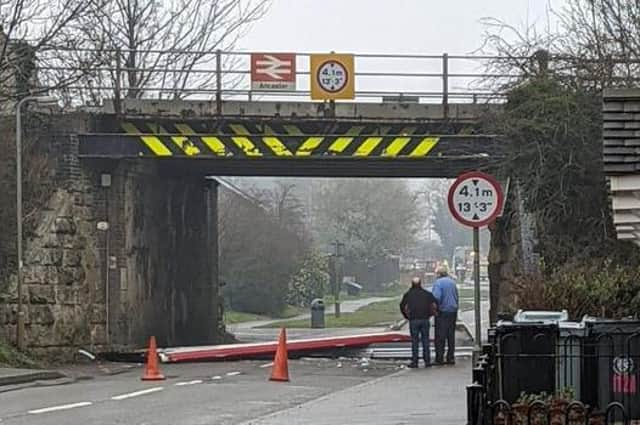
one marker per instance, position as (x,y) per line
(332,77)
(273,71)
(475,199)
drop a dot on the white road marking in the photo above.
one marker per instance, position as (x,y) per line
(61,407)
(194,382)
(136,393)
(216,378)
(266,365)
(233,373)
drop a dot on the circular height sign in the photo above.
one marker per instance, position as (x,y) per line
(332,76)
(475,199)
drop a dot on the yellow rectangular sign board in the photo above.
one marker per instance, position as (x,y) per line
(332,76)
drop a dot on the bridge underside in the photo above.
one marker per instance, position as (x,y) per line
(428,168)
(307,148)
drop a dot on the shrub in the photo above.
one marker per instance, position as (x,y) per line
(597,288)
(310,282)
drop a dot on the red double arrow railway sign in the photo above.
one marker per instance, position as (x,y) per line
(273,71)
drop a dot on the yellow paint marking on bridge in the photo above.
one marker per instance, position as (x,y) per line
(240,129)
(293,130)
(268,131)
(212,142)
(424,147)
(276,146)
(182,142)
(369,144)
(341,143)
(396,146)
(247,146)
(152,142)
(309,145)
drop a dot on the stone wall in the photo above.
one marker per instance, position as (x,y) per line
(163,276)
(63,299)
(159,254)
(512,252)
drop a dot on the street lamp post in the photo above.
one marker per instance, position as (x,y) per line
(41,100)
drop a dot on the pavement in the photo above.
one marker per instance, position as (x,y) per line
(14,376)
(408,397)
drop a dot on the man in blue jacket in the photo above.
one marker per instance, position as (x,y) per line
(446,294)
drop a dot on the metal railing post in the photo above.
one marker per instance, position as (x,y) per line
(218,82)
(445,84)
(117,96)
(474,404)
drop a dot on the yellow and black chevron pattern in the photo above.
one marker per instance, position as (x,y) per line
(237,141)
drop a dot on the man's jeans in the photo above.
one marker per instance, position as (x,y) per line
(446,332)
(420,329)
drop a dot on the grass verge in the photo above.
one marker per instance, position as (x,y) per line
(232,317)
(382,313)
(10,357)
(291,311)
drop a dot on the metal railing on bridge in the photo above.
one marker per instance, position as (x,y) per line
(90,75)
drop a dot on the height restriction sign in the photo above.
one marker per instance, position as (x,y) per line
(332,77)
(475,199)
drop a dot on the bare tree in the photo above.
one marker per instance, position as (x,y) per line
(166,48)
(586,43)
(29,31)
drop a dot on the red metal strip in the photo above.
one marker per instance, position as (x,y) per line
(226,352)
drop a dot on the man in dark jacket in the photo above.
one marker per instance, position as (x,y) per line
(418,306)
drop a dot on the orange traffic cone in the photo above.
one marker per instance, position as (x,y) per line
(280,371)
(152,371)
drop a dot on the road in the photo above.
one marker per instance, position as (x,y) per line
(321,392)
(193,394)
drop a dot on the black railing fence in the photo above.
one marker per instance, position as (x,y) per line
(564,373)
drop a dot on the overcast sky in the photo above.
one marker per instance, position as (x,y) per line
(429,27)
(386,26)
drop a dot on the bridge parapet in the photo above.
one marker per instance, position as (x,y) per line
(350,111)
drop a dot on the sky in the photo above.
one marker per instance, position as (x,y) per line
(425,27)
(386,26)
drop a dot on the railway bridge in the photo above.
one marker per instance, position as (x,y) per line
(127,244)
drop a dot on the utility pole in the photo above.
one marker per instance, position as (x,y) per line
(476,293)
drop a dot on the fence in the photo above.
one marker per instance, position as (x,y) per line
(550,374)
(118,74)
(87,76)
